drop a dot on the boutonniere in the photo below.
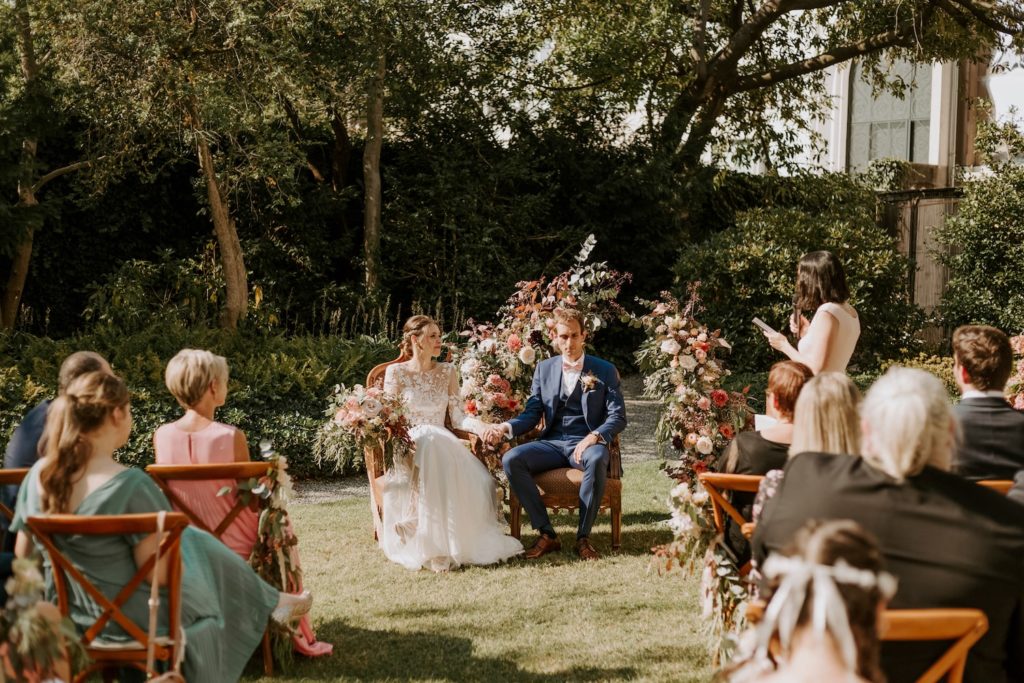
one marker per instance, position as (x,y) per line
(589,381)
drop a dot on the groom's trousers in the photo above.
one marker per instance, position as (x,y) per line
(522,462)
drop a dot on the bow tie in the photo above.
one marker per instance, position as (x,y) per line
(568,366)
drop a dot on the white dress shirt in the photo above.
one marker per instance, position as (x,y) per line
(975,393)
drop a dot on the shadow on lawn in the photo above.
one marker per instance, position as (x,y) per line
(380,655)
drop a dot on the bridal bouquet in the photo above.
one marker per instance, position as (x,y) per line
(1015,387)
(683,370)
(362,417)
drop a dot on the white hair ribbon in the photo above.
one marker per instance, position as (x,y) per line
(828,613)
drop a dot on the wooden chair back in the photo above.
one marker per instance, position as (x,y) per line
(12,477)
(1002,486)
(46,528)
(716,484)
(163,475)
(962,627)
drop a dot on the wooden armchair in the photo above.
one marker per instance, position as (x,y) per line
(12,477)
(163,475)
(375,466)
(560,490)
(716,484)
(107,654)
(1002,486)
(964,627)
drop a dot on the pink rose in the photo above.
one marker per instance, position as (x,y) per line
(494,379)
(514,343)
(352,403)
(704,403)
(374,392)
(701,355)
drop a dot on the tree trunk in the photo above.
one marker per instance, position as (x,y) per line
(371,176)
(26,194)
(235,279)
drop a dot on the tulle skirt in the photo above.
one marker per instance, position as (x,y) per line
(440,510)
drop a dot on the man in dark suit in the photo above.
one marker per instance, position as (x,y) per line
(993,432)
(950,542)
(579,398)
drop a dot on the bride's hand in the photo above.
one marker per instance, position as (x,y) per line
(777,340)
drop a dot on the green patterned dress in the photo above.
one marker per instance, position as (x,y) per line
(224,605)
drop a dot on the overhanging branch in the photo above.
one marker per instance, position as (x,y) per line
(58,172)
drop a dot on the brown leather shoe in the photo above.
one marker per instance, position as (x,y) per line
(543,546)
(585,550)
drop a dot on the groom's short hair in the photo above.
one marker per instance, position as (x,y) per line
(985,353)
(567,315)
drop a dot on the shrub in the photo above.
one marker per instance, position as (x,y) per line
(278,388)
(749,270)
(985,240)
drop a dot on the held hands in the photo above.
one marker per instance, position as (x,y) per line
(494,434)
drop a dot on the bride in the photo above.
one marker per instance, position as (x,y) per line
(440,510)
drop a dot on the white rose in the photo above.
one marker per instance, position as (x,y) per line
(527,355)
(469,366)
(487,345)
(371,407)
(700,496)
(681,524)
(688,362)
(702,337)
(670,346)
(704,445)
(681,492)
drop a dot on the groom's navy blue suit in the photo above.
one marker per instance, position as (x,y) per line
(570,414)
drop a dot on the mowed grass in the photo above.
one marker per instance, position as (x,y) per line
(555,619)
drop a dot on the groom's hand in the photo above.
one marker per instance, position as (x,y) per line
(494,435)
(588,441)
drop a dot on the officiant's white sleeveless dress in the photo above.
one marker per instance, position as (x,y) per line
(440,510)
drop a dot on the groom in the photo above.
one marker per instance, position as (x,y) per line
(578,396)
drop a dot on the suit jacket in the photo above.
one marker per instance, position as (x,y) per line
(993,439)
(950,542)
(603,407)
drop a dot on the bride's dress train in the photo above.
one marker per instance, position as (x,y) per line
(440,509)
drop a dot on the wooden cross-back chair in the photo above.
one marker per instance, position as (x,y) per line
(163,475)
(960,626)
(716,484)
(12,477)
(1002,486)
(375,465)
(560,490)
(107,654)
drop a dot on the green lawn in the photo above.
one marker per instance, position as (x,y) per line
(553,619)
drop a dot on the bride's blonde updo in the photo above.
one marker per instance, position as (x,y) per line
(414,327)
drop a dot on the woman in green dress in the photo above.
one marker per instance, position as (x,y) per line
(225,605)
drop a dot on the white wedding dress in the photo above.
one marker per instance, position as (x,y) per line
(440,509)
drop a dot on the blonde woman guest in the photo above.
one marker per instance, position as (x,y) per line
(198,380)
(825,420)
(225,605)
(950,542)
(826,343)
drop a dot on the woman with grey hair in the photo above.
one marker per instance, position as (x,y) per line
(950,542)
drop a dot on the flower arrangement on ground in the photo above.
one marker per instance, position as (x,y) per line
(36,642)
(1015,387)
(498,360)
(695,548)
(272,556)
(683,370)
(359,418)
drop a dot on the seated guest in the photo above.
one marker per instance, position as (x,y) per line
(950,542)
(23,449)
(825,420)
(765,450)
(835,566)
(224,605)
(198,380)
(992,446)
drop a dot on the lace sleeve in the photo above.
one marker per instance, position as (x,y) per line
(392,387)
(459,418)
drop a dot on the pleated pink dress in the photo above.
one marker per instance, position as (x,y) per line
(215,443)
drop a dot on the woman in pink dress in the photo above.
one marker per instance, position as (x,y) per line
(198,380)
